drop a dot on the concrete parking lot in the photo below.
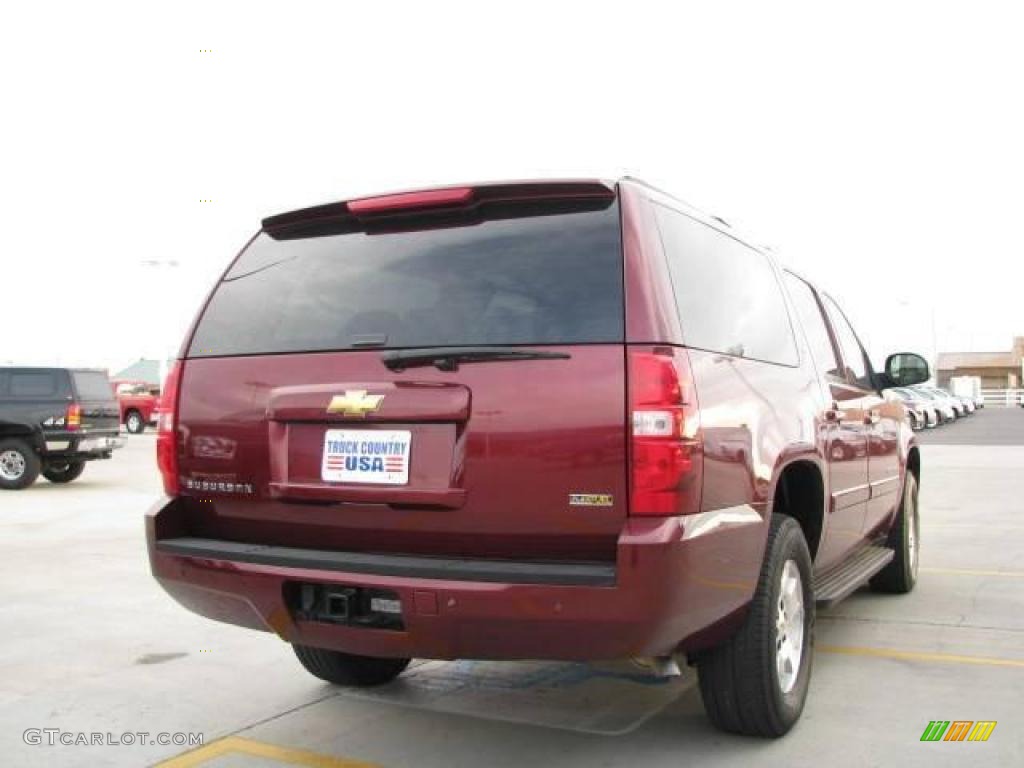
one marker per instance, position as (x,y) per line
(91,644)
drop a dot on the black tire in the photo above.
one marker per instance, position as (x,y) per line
(64,473)
(348,669)
(19,464)
(900,575)
(134,422)
(740,680)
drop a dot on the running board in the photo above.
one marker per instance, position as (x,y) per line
(839,582)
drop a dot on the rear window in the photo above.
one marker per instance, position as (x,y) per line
(727,294)
(92,385)
(544,279)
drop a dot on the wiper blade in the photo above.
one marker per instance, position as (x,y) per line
(448,358)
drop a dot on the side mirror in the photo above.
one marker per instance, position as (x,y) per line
(904,369)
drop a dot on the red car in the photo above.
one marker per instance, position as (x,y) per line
(138,401)
(558,420)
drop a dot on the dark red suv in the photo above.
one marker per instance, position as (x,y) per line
(557,420)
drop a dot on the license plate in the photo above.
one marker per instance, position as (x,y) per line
(366,456)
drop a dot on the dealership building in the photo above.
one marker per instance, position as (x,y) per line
(998,370)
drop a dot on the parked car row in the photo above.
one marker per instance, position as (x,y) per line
(929,406)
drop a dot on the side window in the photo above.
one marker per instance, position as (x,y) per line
(728,296)
(813,322)
(31,384)
(853,354)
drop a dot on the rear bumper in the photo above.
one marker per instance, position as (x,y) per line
(677,584)
(76,446)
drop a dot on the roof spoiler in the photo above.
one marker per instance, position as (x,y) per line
(445,206)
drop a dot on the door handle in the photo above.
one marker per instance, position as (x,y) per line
(872,417)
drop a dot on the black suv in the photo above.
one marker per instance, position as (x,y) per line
(52,421)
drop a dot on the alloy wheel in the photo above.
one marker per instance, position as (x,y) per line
(913,539)
(789,626)
(12,465)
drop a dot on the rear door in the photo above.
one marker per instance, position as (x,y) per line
(846,443)
(95,394)
(300,432)
(859,413)
(882,419)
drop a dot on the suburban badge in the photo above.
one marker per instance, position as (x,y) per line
(590,499)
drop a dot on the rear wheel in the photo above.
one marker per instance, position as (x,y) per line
(900,575)
(19,465)
(133,422)
(756,682)
(349,669)
(64,473)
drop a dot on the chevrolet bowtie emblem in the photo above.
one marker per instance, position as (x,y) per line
(355,402)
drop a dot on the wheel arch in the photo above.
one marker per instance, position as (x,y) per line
(799,493)
(33,435)
(914,463)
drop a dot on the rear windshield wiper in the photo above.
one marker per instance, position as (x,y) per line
(448,358)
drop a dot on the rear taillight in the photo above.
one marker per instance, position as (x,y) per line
(73,417)
(167,431)
(665,449)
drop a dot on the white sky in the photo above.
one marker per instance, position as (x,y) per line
(878,147)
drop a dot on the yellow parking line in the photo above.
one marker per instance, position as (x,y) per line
(237,745)
(893,653)
(969,572)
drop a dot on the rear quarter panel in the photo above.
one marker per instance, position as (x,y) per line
(756,419)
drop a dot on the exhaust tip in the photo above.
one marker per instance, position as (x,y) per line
(659,666)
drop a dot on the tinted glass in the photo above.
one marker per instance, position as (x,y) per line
(813,322)
(33,384)
(728,297)
(92,385)
(853,353)
(554,279)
